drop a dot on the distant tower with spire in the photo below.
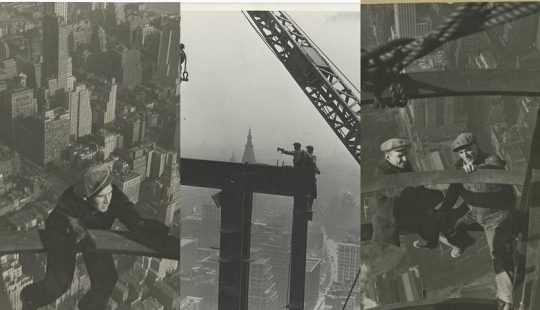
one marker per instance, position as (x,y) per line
(249,155)
(233,158)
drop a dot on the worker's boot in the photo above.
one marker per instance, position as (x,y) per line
(504,305)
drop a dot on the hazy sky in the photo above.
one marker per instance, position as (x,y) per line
(237,83)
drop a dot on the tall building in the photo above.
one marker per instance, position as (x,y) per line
(129,183)
(278,250)
(130,129)
(109,141)
(125,65)
(170,129)
(78,104)
(166,295)
(159,267)
(46,136)
(4,50)
(211,222)
(348,260)
(58,8)
(262,286)
(17,103)
(14,279)
(189,254)
(249,154)
(55,51)
(159,156)
(170,196)
(105,112)
(311,291)
(407,24)
(168,63)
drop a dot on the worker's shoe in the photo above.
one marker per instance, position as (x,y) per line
(504,305)
(458,251)
(422,244)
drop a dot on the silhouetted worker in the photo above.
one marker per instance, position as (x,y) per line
(489,206)
(410,208)
(304,165)
(91,203)
(313,190)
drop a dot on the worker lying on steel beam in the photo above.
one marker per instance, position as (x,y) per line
(91,203)
(489,206)
(410,208)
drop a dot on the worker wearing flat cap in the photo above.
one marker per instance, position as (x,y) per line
(305,166)
(93,202)
(410,208)
(489,206)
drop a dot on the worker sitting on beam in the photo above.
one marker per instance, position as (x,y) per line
(91,203)
(410,208)
(489,206)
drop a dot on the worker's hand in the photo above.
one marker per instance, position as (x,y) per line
(469,168)
(280,149)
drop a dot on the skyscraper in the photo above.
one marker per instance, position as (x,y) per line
(55,51)
(405,20)
(129,183)
(262,286)
(78,104)
(249,154)
(189,254)
(106,103)
(170,128)
(58,8)
(17,102)
(46,136)
(125,65)
(170,195)
(348,260)
(168,63)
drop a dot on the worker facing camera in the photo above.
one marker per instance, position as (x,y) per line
(409,208)
(93,202)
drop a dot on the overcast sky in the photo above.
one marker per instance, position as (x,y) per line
(237,83)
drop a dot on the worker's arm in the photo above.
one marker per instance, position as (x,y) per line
(287,152)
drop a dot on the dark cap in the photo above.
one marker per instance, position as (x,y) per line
(463,140)
(395,144)
(92,180)
(310,147)
(297,143)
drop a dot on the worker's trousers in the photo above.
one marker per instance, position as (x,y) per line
(59,275)
(500,231)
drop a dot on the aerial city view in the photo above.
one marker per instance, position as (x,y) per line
(478,260)
(243,109)
(89,92)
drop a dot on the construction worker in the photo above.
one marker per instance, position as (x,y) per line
(313,191)
(489,206)
(91,203)
(410,208)
(303,163)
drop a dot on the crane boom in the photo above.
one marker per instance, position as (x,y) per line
(324,87)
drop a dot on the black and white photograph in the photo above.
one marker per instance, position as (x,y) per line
(450,155)
(270,157)
(89,155)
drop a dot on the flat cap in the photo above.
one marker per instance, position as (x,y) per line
(464,139)
(310,147)
(395,144)
(297,143)
(92,180)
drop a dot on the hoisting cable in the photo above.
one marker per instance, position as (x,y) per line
(382,67)
(352,287)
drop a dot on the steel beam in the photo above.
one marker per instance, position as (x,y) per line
(298,251)
(444,304)
(504,82)
(266,179)
(400,180)
(107,241)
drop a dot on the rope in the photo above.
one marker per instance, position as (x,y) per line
(381,67)
(352,287)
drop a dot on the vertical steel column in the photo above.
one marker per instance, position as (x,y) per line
(526,282)
(298,251)
(236,202)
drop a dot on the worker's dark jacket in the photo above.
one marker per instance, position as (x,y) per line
(71,208)
(384,221)
(493,196)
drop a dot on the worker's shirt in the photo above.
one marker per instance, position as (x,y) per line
(70,206)
(495,196)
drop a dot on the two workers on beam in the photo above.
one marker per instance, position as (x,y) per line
(486,206)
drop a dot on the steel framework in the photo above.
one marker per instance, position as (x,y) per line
(324,87)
